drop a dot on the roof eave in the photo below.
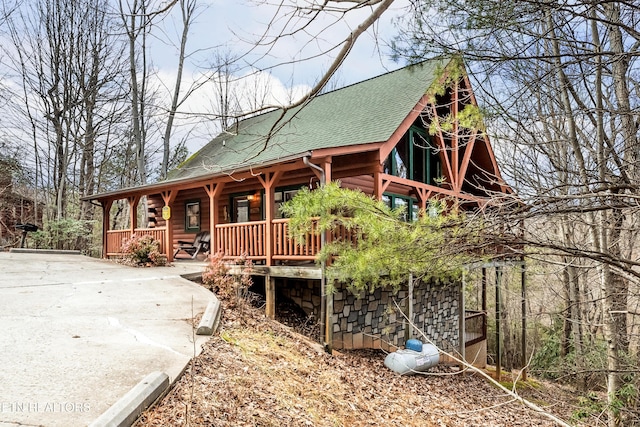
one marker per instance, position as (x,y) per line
(158,186)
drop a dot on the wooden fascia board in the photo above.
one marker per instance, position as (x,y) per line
(340,151)
(408,121)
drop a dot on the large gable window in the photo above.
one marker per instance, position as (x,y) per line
(415,158)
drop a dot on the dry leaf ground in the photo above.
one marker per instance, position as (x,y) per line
(258,372)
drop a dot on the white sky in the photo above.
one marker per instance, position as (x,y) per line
(236,25)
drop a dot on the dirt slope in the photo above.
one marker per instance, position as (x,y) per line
(257,372)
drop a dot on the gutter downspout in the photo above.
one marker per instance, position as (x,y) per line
(323,282)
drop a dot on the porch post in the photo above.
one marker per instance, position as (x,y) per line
(213,191)
(328,323)
(106,210)
(268,181)
(169,196)
(133,212)
(326,165)
(377,185)
(270,291)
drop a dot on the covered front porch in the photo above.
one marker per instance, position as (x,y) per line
(241,212)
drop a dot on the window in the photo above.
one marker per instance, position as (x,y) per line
(281,196)
(414,158)
(250,206)
(411,205)
(192,215)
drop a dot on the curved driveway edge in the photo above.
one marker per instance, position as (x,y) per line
(79,333)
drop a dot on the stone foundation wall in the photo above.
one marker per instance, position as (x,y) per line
(373,320)
(305,293)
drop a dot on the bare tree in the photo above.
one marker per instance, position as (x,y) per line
(65,57)
(187,10)
(563,79)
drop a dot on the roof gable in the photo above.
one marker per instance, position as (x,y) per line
(366,112)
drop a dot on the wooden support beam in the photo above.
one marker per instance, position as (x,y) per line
(329,322)
(466,160)
(423,196)
(213,189)
(106,218)
(442,146)
(326,166)
(455,139)
(169,196)
(270,291)
(133,212)
(377,185)
(269,181)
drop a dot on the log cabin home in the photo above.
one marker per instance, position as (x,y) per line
(396,136)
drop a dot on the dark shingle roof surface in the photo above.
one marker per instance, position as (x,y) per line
(365,112)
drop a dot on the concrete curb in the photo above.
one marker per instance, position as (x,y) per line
(210,319)
(127,410)
(44,251)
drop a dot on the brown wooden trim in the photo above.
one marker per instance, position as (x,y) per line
(442,145)
(213,190)
(198,182)
(466,159)
(384,183)
(327,166)
(269,181)
(106,218)
(169,196)
(455,139)
(270,292)
(423,195)
(365,170)
(133,211)
(435,190)
(408,121)
(496,171)
(341,151)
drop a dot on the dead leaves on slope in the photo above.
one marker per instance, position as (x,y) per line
(257,372)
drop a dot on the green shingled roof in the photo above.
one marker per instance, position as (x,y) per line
(365,112)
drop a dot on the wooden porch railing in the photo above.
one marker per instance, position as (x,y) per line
(115,238)
(241,239)
(475,327)
(286,248)
(246,239)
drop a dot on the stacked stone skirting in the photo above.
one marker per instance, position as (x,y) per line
(374,320)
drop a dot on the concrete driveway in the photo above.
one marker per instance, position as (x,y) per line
(77,333)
